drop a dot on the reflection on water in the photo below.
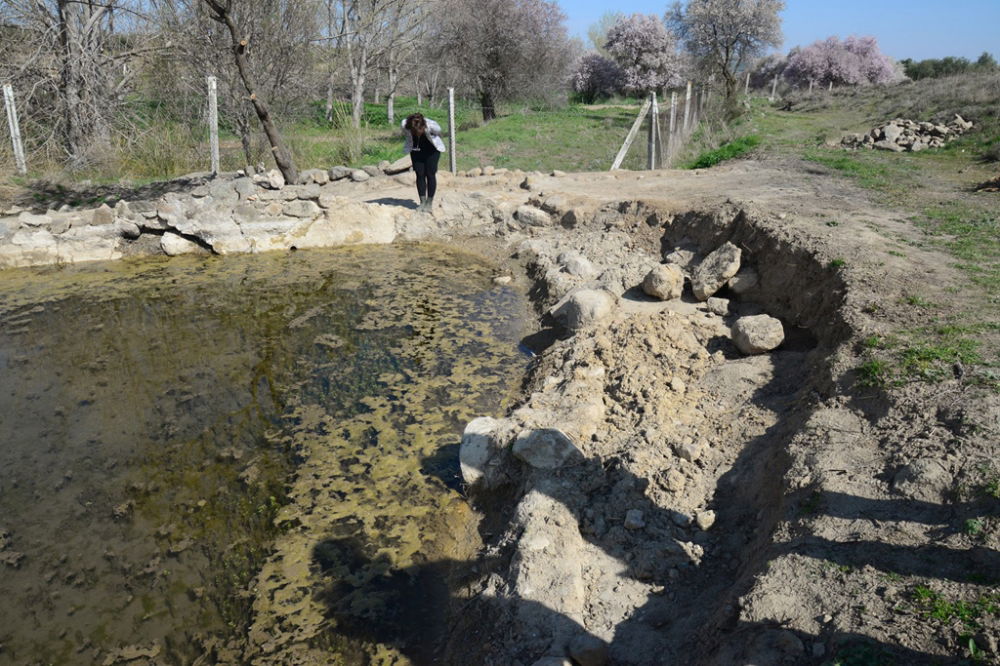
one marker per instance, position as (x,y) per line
(177,437)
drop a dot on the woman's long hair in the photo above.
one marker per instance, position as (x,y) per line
(415,122)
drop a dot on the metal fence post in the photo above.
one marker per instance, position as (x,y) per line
(15,130)
(451,130)
(213,122)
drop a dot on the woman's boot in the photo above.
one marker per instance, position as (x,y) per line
(429,205)
(423,204)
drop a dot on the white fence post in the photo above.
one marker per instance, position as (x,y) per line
(15,130)
(651,143)
(673,125)
(687,108)
(451,130)
(213,122)
(774,88)
(746,87)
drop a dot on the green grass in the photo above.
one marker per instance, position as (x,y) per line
(727,151)
(934,606)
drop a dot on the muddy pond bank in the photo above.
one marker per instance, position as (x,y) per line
(154,412)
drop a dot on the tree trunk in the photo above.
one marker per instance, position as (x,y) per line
(359,73)
(390,103)
(489,108)
(329,98)
(282,156)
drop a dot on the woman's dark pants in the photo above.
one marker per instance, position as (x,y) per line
(425,165)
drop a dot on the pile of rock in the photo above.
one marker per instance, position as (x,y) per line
(900,135)
(751,334)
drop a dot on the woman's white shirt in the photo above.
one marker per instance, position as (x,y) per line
(433,133)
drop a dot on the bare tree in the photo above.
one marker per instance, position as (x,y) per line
(725,35)
(268,63)
(368,32)
(82,54)
(507,48)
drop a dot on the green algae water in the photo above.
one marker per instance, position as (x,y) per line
(243,459)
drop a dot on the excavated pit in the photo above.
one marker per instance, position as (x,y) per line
(636,546)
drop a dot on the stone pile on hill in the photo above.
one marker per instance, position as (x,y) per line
(901,135)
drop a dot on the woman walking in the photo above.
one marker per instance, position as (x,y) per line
(424,144)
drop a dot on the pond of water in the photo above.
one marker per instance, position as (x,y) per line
(168,428)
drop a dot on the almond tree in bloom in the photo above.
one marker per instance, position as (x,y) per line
(646,51)
(855,61)
(725,35)
(596,77)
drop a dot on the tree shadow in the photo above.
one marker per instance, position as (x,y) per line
(42,195)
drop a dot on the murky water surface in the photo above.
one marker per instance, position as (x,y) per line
(170,427)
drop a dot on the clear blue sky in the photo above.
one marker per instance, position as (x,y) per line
(915,29)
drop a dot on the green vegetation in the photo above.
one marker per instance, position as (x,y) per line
(863,654)
(838,263)
(934,606)
(873,373)
(728,151)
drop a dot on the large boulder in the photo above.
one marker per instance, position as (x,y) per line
(665,282)
(715,271)
(584,307)
(480,447)
(758,334)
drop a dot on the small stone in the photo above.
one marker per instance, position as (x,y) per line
(634,520)
(705,519)
(719,306)
(103,215)
(339,172)
(585,307)
(576,264)
(665,282)
(302,209)
(677,384)
(674,481)
(689,451)
(556,173)
(532,216)
(372,171)
(173,245)
(359,176)
(503,280)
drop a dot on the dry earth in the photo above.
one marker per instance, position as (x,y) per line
(698,505)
